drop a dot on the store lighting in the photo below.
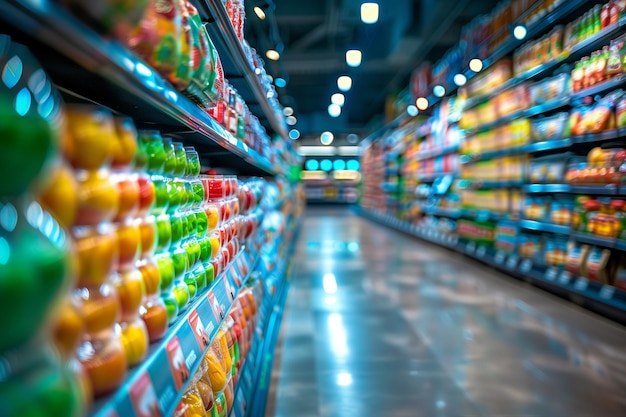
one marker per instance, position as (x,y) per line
(353,57)
(352,138)
(344,83)
(312,165)
(288,111)
(338,99)
(476,65)
(412,110)
(334,110)
(330,283)
(291,120)
(344,379)
(421,103)
(327,138)
(354,165)
(460,80)
(260,13)
(326,165)
(439,91)
(280,82)
(339,165)
(272,54)
(519,32)
(294,134)
(369,13)
(348,150)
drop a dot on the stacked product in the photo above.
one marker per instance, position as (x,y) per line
(41,375)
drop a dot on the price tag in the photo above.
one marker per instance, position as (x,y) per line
(511,263)
(526,266)
(481,251)
(499,258)
(581,284)
(470,248)
(607,292)
(551,273)
(566,277)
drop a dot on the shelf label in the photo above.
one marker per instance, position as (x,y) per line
(511,262)
(481,251)
(526,266)
(607,291)
(551,273)
(581,284)
(143,397)
(206,314)
(499,258)
(566,277)
(178,363)
(199,330)
(470,248)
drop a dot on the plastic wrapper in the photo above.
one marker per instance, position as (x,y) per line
(550,128)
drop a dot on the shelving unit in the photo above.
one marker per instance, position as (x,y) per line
(440,213)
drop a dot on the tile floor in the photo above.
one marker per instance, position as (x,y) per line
(381,324)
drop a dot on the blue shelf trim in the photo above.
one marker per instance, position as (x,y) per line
(544,227)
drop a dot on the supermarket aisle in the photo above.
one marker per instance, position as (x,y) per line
(383,324)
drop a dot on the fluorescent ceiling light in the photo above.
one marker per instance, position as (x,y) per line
(353,57)
(334,110)
(272,54)
(338,99)
(369,13)
(344,83)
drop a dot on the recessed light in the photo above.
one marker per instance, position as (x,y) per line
(369,13)
(272,54)
(353,57)
(460,80)
(259,12)
(439,91)
(412,110)
(519,32)
(476,65)
(344,83)
(338,99)
(334,110)
(327,138)
(421,103)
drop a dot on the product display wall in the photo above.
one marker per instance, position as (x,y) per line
(133,282)
(523,166)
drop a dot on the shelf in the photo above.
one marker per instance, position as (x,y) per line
(544,227)
(578,51)
(600,137)
(488,185)
(594,294)
(600,88)
(470,158)
(84,63)
(609,189)
(209,310)
(548,145)
(532,111)
(237,68)
(443,212)
(429,154)
(432,177)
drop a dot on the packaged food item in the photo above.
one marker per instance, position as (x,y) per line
(619,278)
(547,169)
(555,251)
(577,259)
(536,208)
(530,246)
(561,211)
(597,264)
(550,128)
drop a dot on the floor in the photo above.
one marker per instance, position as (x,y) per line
(382,324)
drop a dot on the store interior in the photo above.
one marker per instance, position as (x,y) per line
(247,208)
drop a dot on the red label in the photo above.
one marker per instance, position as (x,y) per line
(143,397)
(179,368)
(198,330)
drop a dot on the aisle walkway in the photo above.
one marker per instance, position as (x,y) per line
(379,324)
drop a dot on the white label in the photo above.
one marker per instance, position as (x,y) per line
(482,251)
(471,247)
(191,359)
(526,266)
(551,274)
(499,258)
(607,292)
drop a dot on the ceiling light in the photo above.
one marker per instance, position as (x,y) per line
(519,32)
(439,91)
(272,54)
(344,83)
(259,12)
(460,80)
(421,103)
(476,65)
(353,57)
(291,120)
(327,138)
(352,138)
(294,134)
(334,110)
(338,99)
(288,111)
(280,82)
(412,110)
(369,12)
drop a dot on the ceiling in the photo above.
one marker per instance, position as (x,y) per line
(316,34)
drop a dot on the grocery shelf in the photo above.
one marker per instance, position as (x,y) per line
(388,187)
(432,153)
(469,158)
(84,63)
(237,68)
(577,51)
(433,176)
(443,212)
(608,300)
(157,370)
(597,240)
(548,145)
(544,227)
(611,84)
(487,185)
(609,189)
(599,137)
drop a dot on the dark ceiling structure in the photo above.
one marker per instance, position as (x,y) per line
(313,36)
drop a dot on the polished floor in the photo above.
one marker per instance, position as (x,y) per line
(381,324)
